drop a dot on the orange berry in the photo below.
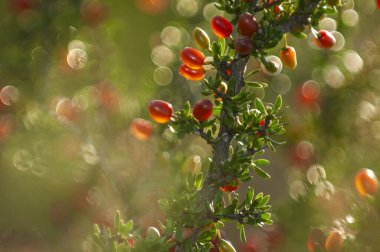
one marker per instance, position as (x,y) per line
(288,57)
(191,74)
(334,242)
(141,129)
(366,182)
(192,58)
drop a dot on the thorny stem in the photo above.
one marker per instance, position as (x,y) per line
(221,148)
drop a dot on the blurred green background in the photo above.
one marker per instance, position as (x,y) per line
(74,74)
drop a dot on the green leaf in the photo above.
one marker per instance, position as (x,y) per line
(206,92)
(299,34)
(256,84)
(260,172)
(249,198)
(204,236)
(215,49)
(222,45)
(266,216)
(178,234)
(128,227)
(278,104)
(260,106)
(261,162)
(198,181)
(243,237)
(329,10)
(251,73)
(187,108)
(116,221)
(263,201)
(270,145)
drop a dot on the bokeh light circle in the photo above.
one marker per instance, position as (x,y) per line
(187,8)
(352,61)
(163,76)
(311,90)
(171,36)
(210,11)
(327,24)
(281,84)
(340,41)
(77,58)
(350,17)
(333,76)
(9,95)
(276,60)
(162,55)
(23,160)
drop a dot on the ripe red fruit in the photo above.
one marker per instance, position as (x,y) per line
(141,129)
(131,242)
(243,45)
(107,95)
(325,39)
(93,12)
(160,111)
(191,74)
(203,110)
(316,239)
(221,27)
(288,57)
(233,186)
(334,242)
(366,182)
(247,24)
(19,6)
(378,4)
(192,58)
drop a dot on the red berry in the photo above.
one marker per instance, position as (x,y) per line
(325,39)
(19,6)
(233,186)
(378,4)
(288,57)
(247,24)
(191,74)
(316,239)
(203,110)
(141,129)
(192,58)
(262,122)
(152,7)
(107,95)
(93,12)
(160,111)
(221,27)
(131,242)
(243,45)
(366,182)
